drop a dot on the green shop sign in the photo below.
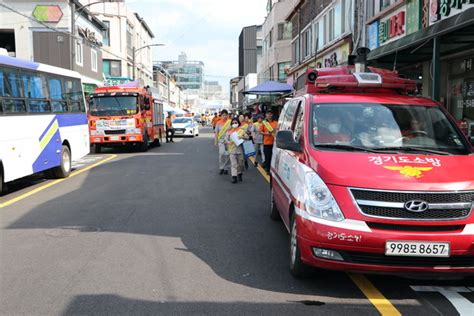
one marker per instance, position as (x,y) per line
(48,13)
(440,9)
(392,27)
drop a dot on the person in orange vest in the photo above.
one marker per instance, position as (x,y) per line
(169,129)
(222,126)
(258,140)
(268,130)
(236,152)
(215,120)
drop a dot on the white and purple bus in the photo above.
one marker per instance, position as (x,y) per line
(43,120)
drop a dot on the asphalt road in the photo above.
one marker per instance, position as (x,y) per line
(162,233)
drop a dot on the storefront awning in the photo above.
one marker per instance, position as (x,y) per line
(456,34)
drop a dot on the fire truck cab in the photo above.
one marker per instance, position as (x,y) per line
(367,177)
(124,115)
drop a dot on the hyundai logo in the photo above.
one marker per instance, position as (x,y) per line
(416,206)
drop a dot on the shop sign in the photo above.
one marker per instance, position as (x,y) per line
(47,13)
(113,81)
(392,27)
(335,57)
(89,35)
(441,9)
(373,31)
(466,65)
(414,16)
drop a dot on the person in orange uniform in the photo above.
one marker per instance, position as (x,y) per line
(169,129)
(268,130)
(220,131)
(236,153)
(215,120)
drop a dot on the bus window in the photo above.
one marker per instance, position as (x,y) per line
(9,89)
(34,86)
(58,103)
(74,95)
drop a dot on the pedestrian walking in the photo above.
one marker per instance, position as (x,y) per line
(215,120)
(236,152)
(258,140)
(244,126)
(268,130)
(222,126)
(169,129)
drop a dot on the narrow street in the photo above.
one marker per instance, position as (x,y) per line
(162,233)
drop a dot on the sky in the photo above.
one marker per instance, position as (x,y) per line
(206,30)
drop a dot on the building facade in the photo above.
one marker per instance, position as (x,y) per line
(61,33)
(276,50)
(322,35)
(429,41)
(167,87)
(189,74)
(128,37)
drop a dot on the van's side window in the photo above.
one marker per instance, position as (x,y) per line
(288,115)
(299,122)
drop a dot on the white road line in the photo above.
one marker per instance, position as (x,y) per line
(463,306)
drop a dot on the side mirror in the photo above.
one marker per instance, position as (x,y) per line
(285,140)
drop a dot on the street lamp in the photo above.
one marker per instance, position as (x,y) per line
(134,55)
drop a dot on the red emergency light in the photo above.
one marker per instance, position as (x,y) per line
(329,80)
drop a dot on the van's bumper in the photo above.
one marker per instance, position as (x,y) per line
(362,249)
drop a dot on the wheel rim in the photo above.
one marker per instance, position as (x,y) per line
(66,161)
(293,243)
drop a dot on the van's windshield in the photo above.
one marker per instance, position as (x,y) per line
(385,127)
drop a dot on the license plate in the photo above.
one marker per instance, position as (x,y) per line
(112,138)
(417,249)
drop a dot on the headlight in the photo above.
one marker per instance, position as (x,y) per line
(97,133)
(134,131)
(319,200)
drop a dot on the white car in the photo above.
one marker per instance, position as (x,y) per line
(185,126)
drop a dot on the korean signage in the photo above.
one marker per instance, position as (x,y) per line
(48,13)
(442,9)
(335,57)
(392,27)
(414,16)
(373,32)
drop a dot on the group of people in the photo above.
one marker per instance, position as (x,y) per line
(231,131)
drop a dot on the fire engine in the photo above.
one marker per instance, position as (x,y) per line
(368,177)
(125,115)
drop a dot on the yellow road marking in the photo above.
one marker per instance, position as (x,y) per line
(261,170)
(50,184)
(383,305)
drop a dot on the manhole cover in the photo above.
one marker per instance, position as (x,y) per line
(69,231)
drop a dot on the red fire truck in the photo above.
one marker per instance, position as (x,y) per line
(125,115)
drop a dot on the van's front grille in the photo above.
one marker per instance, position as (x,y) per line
(393,204)
(115,132)
(416,228)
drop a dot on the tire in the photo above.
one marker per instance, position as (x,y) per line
(144,144)
(64,169)
(3,186)
(157,143)
(274,213)
(97,148)
(298,269)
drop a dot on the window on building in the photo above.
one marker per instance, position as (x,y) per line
(106,34)
(281,71)
(306,43)
(129,38)
(284,31)
(320,35)
(331,25)
(79,53)
(94,60)
(338,21)
(385,4)
(295,56)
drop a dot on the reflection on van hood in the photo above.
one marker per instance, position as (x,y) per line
(406,172)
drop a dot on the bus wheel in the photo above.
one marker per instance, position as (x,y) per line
(97,148)
(144,144)
(64,169)
(3,186)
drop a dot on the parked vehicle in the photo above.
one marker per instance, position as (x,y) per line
(185,126)
(43,121)
(367,177)
(124,115)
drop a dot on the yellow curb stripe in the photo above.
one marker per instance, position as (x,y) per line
(47,185)
(383,305)
(261,170)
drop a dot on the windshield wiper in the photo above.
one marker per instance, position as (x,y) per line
(414,149)
(347,147)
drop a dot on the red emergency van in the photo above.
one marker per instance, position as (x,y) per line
(368,177)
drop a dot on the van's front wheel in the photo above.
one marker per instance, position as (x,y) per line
(297,268)
(64,169)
